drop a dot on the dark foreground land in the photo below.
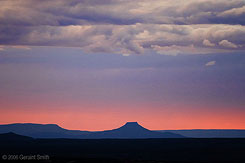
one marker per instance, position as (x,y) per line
(123,150)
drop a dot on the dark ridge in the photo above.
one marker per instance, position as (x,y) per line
(10,136)
(131,130)
(209,133)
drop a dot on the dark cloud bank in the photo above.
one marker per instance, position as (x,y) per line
(126,27)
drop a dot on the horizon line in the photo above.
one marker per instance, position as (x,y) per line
(124,124)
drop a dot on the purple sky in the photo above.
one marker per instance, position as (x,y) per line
(94,64)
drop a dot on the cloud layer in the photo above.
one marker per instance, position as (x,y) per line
(126,27)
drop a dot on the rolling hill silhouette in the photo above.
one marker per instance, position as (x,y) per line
(131,130)
(10,136)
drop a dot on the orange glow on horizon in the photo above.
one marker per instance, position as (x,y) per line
(112,119)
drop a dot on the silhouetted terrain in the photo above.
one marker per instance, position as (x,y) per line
(10,137)
(41,130)
(133,130)
(123,150)
(129,143)
(214,133)
(128,131)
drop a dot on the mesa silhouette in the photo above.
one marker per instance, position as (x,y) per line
(131,130)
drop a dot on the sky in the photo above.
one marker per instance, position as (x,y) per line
(97,64)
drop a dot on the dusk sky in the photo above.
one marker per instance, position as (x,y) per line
(96,64)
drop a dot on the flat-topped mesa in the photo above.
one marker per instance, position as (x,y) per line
(132,123)
(133,126)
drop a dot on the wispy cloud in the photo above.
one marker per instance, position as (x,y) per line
(211,63)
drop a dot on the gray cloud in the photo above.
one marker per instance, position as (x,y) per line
(130,39)
(73,12)
(207,43)
(127,27)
